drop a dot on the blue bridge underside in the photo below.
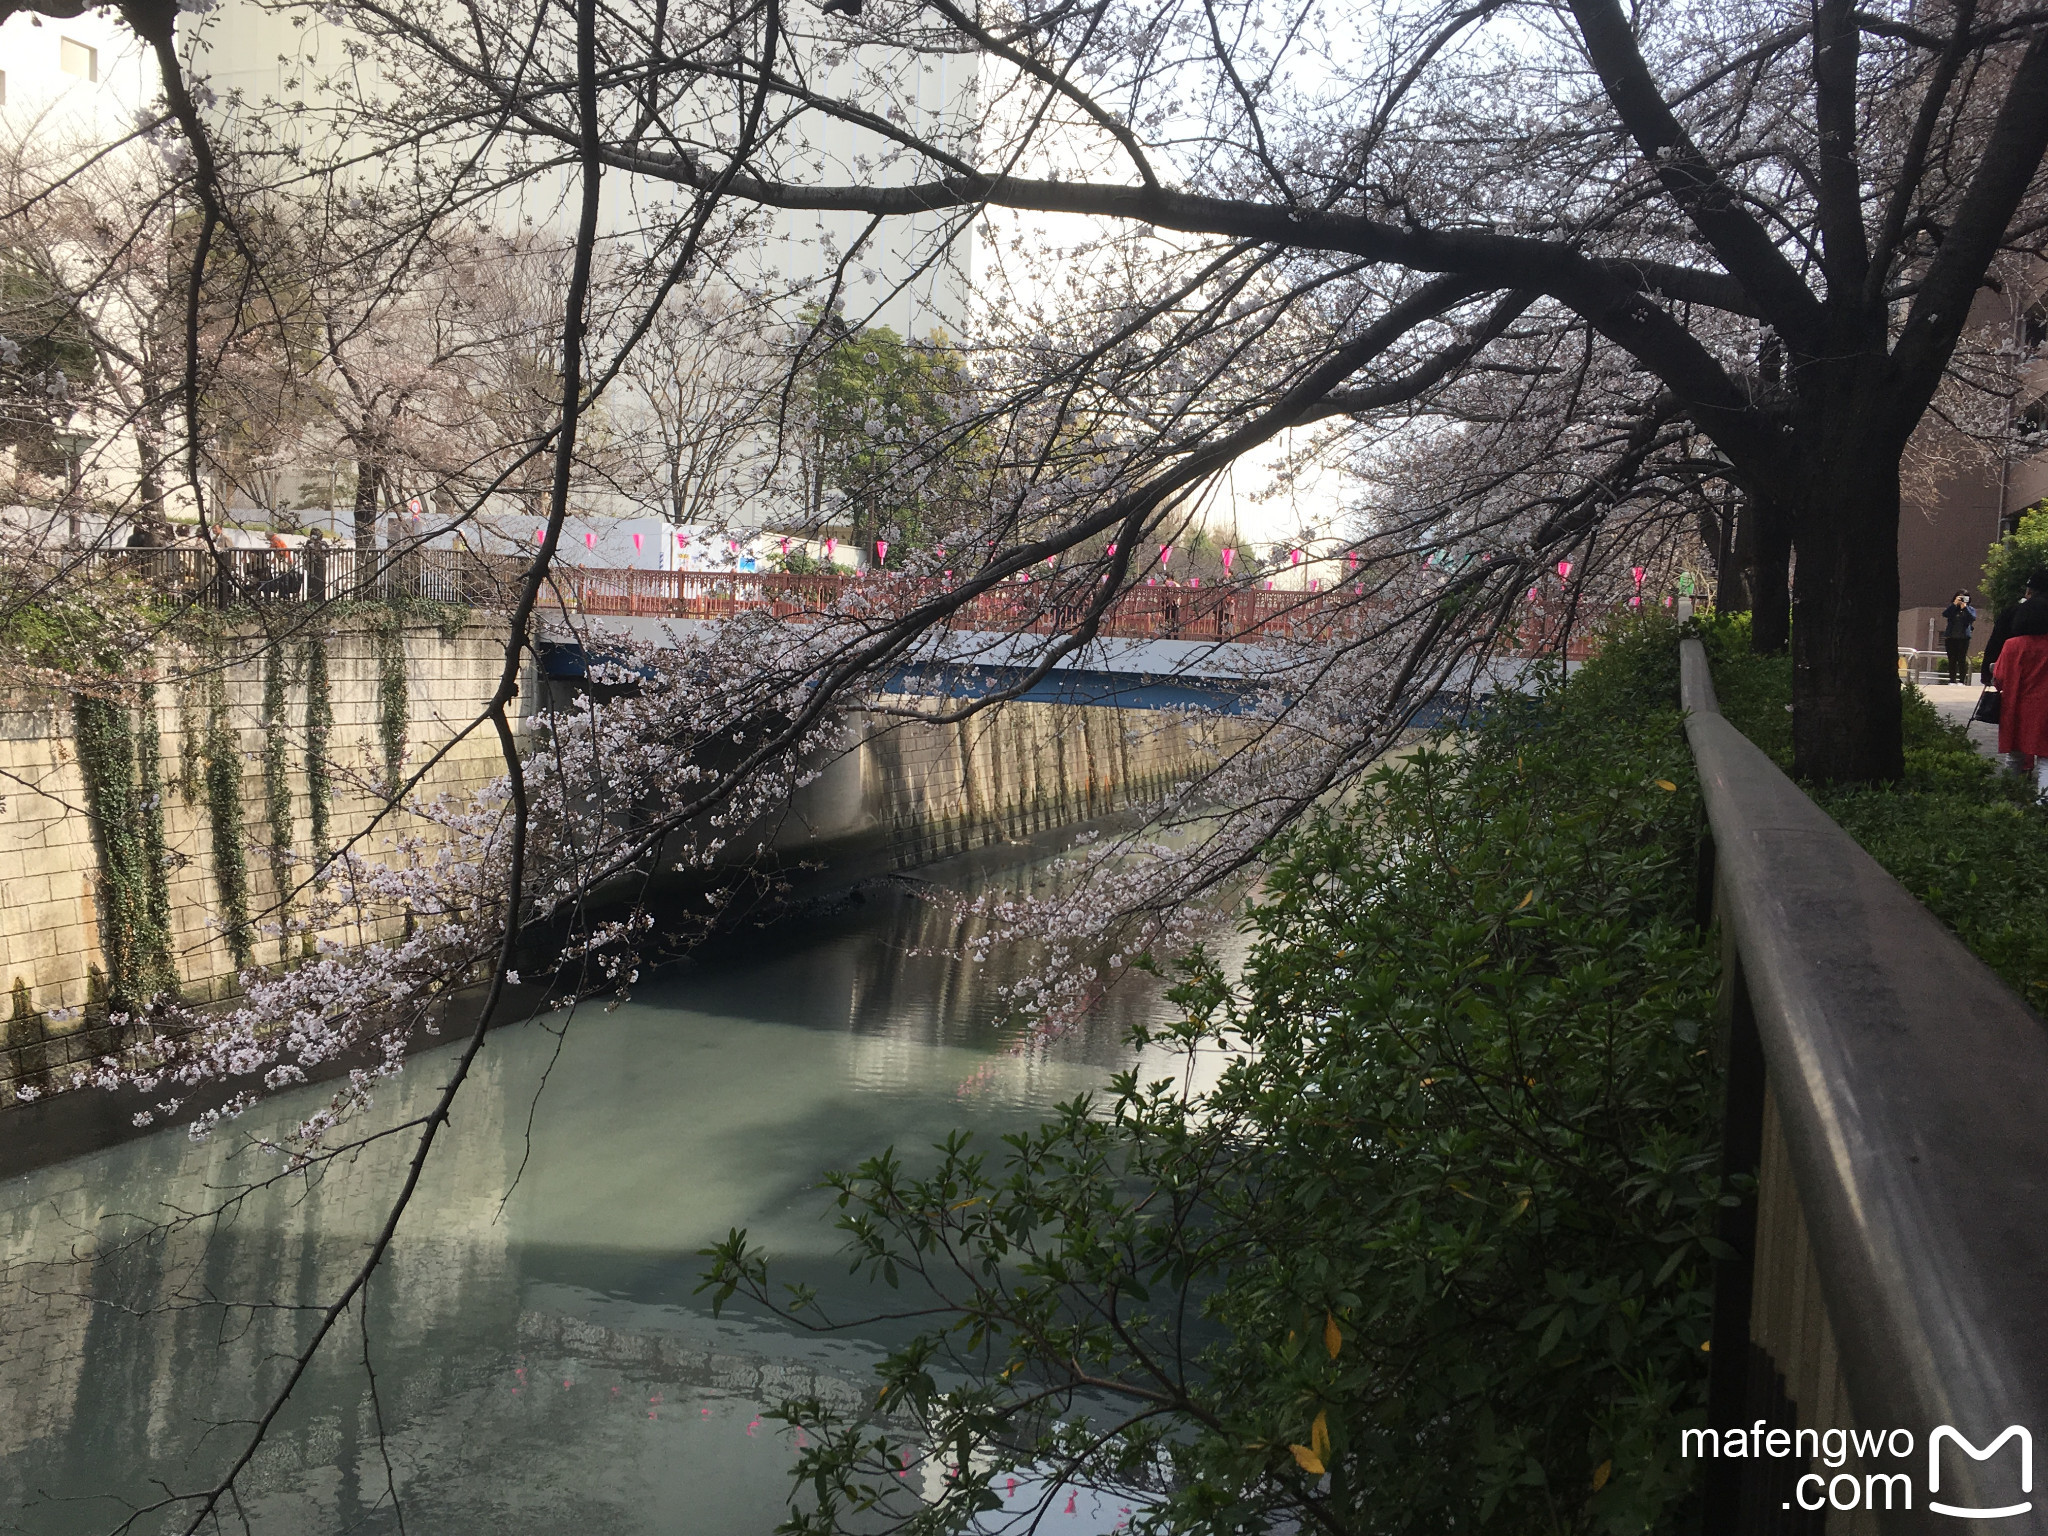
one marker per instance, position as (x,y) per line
(1107,690)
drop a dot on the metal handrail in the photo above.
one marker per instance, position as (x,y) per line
(1229,613)
(1910,1086)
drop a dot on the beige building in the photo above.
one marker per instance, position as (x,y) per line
(1945,531)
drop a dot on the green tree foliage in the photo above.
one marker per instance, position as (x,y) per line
(1434,1253)
(2016,557)
(885,411)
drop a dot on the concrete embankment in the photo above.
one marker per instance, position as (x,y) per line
(137,829)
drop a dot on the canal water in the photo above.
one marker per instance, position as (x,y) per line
(541,1360)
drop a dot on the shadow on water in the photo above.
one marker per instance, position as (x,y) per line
(540,1356)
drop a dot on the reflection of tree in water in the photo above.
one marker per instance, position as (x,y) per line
(122,1339)
(917,978)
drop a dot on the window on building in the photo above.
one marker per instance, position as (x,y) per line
(75,58)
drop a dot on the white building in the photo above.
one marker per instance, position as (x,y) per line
(89,80)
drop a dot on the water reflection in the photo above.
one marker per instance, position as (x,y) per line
(537,1355)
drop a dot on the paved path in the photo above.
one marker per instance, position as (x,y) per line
(1955,701)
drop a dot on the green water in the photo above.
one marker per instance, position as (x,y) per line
(540,1361)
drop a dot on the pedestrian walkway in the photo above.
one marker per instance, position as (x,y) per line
(1955,701)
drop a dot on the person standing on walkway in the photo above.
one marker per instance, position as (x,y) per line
(1961,619)
(2019,665)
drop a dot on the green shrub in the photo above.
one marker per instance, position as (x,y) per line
(2016,557)
(1434,1253)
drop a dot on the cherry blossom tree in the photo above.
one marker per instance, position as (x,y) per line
(1548,281)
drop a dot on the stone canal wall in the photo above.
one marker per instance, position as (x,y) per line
(208,771)
(200,777)
(912,792)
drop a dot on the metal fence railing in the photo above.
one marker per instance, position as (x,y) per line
(226,578)
(1889,1276)
(312,573)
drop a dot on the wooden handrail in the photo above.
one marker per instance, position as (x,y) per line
(1901,1112)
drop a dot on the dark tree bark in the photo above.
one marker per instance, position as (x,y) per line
(1846,716)
(152,527)
(1737,553)
(1770,576)
(365,520)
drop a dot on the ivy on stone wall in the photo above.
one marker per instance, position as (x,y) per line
(394,702)
(224,819)
(319,727)
(156,848)
(191,733)
(277,789)
(124,795)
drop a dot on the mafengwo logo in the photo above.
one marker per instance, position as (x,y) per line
(2013,1432)
(1871,1485)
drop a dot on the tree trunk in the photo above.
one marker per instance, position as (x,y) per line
(1770,549)
(1845,678)
(1731,574)
(366,523)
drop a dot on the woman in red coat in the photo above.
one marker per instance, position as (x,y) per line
(2022,676)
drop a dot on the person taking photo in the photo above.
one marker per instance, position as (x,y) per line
(1960,619)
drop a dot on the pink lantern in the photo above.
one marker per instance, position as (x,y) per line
(636,543)
(732,546)
(1636,601)
(1269,586)
(1151,581)
(785,546)
(1532,594)
(1194,581)
(881,551)
(830,545)
(1165,553)
(1052,559)
(1228,556)
(590,541)
(1112,551)
(682,540)
(1564,568)
(1314,582)
(1667,602)
(1350,560)
(540,535)
(1294,557)
(1638,572)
